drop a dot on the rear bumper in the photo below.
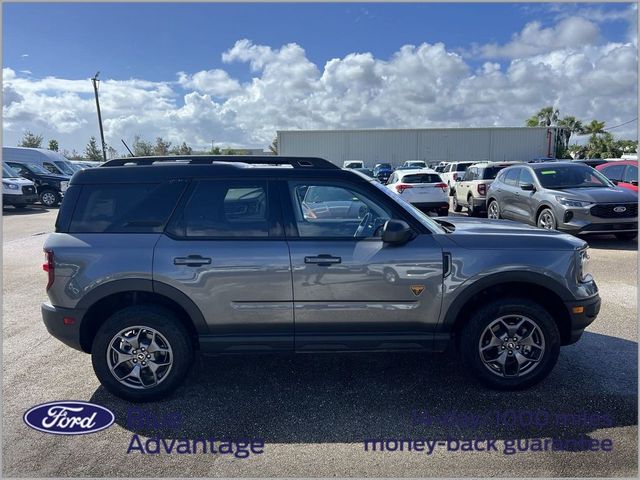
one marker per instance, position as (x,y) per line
(53,318)
(582,314)
(439,207)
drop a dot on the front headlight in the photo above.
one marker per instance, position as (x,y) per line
(10,186)
(584,272)
(572,202)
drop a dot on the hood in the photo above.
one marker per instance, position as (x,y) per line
(17,180)
(54,178)
(597,194)
(484,234)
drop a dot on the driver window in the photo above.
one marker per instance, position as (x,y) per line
(331,210)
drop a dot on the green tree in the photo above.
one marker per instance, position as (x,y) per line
(594,128)
(569,125)
(161,147)
(141,148)
(92,152)
(628,146)
(577,151)
(229,151)
(112,152)
(31,140)
(545,117)
(184,149)
(53,145)
(274,146)
(215,150)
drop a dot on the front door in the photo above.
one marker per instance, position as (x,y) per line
(352,291)
(225,250)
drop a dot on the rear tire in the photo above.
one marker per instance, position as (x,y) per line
(627,236)
(472,209)
(456,207)
(489,352)
(142,353)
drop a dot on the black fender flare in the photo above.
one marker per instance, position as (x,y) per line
(503,278)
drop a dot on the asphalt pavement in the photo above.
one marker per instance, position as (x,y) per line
(314,412)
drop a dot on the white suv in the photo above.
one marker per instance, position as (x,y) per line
(423,188)
(470,190)
(452,171)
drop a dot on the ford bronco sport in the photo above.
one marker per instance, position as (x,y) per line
(155,258)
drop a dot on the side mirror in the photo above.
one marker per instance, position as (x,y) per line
(396,232)
(527,187)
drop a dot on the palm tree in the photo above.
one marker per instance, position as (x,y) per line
(594,128)
(569,125)
(546,117)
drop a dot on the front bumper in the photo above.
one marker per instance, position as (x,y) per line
(20,199)
(582,221)
(53,318)
(582,314)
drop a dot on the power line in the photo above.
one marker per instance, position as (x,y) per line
(622,124)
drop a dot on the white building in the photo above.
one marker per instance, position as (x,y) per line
(429,144)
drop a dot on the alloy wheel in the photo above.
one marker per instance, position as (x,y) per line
(493,211)
(547,221)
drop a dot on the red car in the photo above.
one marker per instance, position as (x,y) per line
(623,173)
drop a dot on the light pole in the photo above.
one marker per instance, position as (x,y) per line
(95,82)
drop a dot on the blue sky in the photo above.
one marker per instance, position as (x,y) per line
(237,73)
(154,41)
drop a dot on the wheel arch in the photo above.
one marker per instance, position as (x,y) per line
(103,301)
(533,286)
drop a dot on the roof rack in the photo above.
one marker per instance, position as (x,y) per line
(295,162)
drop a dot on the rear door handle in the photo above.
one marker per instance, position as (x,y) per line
(192,261)
(323,260)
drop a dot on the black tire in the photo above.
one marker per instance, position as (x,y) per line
(472,209)
(153,317)
(49,198)
(547,217)
(472,333)
(456,207)
(627,236)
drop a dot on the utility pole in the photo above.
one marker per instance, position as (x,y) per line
(95,82)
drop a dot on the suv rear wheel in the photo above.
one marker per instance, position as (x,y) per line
(473,209)
(455,205)
(142,353)
(510,344)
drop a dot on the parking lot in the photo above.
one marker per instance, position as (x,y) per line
(315,411)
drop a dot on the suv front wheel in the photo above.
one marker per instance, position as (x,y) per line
(142,353)
(510,344)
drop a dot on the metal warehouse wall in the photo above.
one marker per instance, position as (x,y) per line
(396,146)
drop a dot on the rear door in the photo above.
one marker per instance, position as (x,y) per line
(225,250)
(507,193)
(351,291)
(524,202)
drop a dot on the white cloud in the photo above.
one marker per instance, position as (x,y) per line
(418,86)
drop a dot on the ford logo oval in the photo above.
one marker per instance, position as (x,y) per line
(69,418)
(619,209)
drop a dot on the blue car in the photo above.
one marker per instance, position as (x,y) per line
(383,171)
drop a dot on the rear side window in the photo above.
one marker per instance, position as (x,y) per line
(461,167)
(614,172)
(226,209)
(422,178)
(631,174)
(490,173)
(125,208)
(511,176)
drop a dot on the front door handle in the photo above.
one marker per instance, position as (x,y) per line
(323,260)
(192,261)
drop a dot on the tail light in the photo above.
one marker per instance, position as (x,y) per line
(49,267)
(482,189)
(443,186)
(401,187)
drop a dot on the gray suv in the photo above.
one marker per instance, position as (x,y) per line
(566,196)
(154,259)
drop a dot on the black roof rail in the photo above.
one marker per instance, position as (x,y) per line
(295,162)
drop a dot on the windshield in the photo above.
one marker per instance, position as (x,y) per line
(558,177)
(386,166)
(8,172)
(37,169)
(65,167)
(420,216)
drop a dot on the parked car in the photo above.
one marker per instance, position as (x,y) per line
(543,160)
(592,162)
(82,164)
(564,196)
(50,188)
(623,173)
(470,190)
(353,164)
(441,166)
(423,188)
(452,171)
(149,264)
(414,164)
(17,191)
(53,162)
(366,171)
(383,171)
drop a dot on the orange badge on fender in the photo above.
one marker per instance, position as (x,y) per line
(417,289)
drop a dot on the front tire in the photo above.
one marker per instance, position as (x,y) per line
(142,353)
(493,210)
(49,198)
(547,220)
(510,344)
